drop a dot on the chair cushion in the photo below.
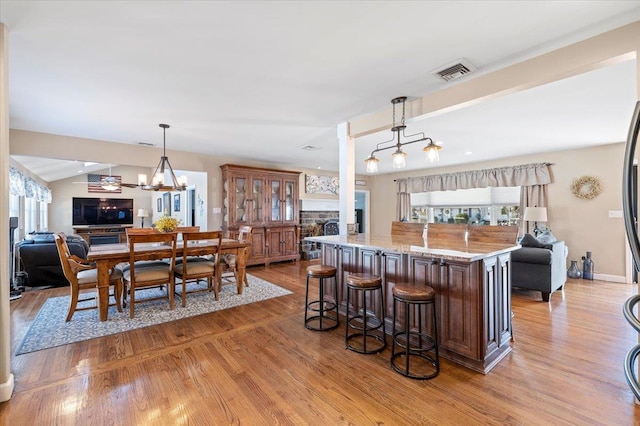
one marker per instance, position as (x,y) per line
(196,268)
(546,237)
(229,260)
(149,273)
(530,241)
(145,264)
(91,276)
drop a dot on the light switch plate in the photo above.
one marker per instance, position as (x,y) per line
(615,214)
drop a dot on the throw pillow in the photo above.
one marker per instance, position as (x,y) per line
(546,237)
(530,241)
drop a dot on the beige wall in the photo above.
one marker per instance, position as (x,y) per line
(62,191)
(582,224)
(140,160)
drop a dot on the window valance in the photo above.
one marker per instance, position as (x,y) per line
(521,175)
(28,187)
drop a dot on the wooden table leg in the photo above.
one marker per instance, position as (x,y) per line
(103,290)
(241,264)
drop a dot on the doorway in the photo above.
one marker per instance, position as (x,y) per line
(362,211)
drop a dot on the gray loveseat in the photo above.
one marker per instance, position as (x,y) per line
(538,266)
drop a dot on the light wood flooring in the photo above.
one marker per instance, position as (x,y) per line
(257,364)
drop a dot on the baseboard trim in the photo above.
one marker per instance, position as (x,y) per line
(610,278)
(6,389)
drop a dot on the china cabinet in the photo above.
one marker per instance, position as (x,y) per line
(268,201)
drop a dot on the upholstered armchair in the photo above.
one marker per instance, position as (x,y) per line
(539,266)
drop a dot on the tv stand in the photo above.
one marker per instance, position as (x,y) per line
(103,234)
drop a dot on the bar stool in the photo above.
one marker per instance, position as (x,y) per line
(324,319)
(415,345)
(365,323)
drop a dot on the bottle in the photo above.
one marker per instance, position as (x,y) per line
(587,267)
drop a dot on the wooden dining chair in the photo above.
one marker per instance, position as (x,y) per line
(145,248)
(182,229)
(206,268)
(229,263)
(83,275)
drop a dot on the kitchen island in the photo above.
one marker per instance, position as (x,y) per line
(472,282)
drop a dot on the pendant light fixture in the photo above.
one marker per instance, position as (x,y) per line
(158,178)
(399,156)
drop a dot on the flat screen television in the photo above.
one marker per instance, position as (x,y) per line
(102,211)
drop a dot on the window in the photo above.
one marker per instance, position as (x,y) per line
(30,215)
(481,206)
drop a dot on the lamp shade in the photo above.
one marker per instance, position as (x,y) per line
(535,214)
(143,213)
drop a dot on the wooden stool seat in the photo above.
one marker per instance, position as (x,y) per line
(412,292)
(417,356)
(324,312)
(364,280)
(321,271)
(365,330)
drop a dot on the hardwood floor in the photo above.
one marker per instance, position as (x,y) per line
(257,364)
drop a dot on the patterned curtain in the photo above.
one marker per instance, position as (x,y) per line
(27,187)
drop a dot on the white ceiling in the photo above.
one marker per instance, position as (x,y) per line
(256,80)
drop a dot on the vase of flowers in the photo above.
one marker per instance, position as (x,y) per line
(166,224)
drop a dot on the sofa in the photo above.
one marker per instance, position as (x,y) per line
(39,260)
(539,265)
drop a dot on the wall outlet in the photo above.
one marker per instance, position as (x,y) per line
(217,210)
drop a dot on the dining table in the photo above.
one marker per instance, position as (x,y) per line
(107,256)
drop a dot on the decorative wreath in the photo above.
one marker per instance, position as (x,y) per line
(586,187)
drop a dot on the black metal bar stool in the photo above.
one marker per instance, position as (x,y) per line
(364,323)
(327,311)
(415,344)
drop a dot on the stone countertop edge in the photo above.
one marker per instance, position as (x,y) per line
(387,243)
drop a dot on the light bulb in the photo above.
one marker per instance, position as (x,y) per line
(399,161)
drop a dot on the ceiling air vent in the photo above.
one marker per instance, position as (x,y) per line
(457,69)
(309,148)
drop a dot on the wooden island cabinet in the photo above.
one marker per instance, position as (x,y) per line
(472,284)
(268,201)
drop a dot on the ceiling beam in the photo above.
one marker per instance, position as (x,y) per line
(606,49)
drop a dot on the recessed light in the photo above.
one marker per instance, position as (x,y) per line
(468,153)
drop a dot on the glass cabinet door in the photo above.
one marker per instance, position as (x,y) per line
(275,201)
(288,201)
(241,199)
(257,200)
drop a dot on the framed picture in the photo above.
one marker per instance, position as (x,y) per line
(159,205)
(176,203)
(322,184)
(166,203)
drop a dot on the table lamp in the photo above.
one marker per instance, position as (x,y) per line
(142,213)
(535,215)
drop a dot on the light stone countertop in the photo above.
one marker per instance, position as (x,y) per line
(450,250)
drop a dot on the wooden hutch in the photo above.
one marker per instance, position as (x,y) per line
(268,201)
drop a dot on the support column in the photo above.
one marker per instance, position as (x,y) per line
(347,149)
(6,378)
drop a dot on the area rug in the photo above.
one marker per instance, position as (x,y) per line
(49,328)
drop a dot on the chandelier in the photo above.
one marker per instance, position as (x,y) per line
(158,178)
(399,162)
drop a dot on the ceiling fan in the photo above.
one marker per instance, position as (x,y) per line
(110,182)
